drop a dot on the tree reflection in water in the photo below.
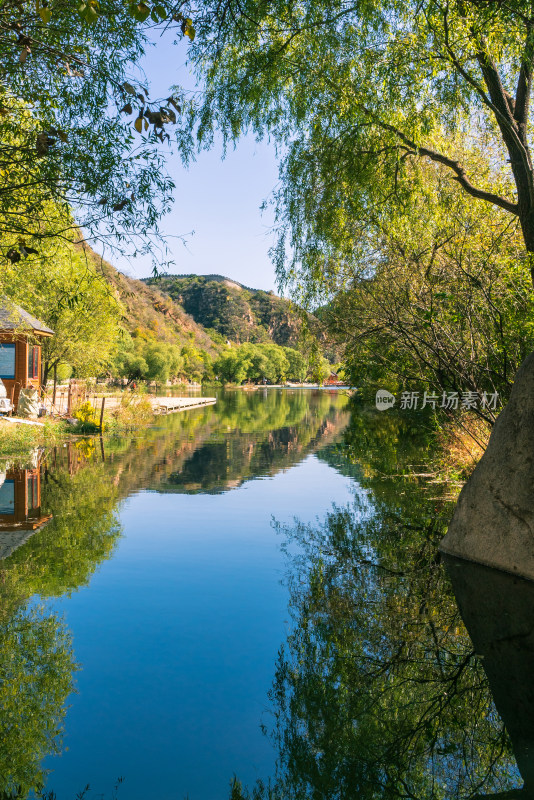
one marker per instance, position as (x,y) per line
(379,691)
(37,662)
(37,666)
(78,489)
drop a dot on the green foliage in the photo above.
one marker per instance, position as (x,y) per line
(147,359)
(75,130)
(197,363)
(139,359)
(17,441)
(447,304)
(259,362)
(36,677)
(88,421)
(355,95)
(64,289)
(319,366)
(235,312)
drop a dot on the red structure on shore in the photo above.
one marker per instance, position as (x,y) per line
(20,349)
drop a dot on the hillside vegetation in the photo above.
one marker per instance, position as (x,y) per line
(205,327)
(237,313)
(148,311)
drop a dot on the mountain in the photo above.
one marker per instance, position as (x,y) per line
(236,312)
(205,311)
(149,310)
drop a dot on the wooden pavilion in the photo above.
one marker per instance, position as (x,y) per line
(20,349)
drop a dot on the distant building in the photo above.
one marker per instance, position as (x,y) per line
(20,349)
(333,380)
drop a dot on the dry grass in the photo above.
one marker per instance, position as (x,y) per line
(462,443)
(135,411)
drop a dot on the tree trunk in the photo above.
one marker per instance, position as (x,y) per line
(55,385)
(45,368)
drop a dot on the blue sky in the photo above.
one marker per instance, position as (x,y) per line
(218,200)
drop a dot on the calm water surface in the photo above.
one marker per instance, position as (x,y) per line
(253,589)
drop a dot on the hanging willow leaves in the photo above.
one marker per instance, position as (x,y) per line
(354,91)
(65,69)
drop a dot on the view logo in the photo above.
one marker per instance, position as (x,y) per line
(384,400)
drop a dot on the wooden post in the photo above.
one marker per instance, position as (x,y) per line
(11,398)
(102,413)
(69,399)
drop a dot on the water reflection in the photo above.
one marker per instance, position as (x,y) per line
(37,666)
(76,490)
(380,690)
(20,507)
(387,686)
(244,437)
(498,611)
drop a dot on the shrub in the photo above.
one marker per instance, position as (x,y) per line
(87,419)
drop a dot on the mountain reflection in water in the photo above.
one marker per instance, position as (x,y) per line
(217,448)
(392,683)
(61,521)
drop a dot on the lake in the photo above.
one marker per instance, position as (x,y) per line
(252,589)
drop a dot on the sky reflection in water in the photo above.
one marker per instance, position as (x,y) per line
(165,561)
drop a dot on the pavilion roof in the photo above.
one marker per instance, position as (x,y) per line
(15,318)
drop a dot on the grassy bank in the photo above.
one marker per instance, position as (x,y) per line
(459,444)
(19,441)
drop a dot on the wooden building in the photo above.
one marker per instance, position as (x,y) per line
(20,349)
(333,380)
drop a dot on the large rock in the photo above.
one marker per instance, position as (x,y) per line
(28,405)
(493,522)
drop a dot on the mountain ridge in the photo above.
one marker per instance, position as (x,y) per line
(235,312)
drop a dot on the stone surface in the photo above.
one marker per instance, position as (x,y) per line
(493,522)
(498,612)
(28,405)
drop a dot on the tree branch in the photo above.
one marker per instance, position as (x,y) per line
(499,101)
(455,166)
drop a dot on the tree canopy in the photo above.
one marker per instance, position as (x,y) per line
(353,94)
(441,300)
(63,288)
(77,130)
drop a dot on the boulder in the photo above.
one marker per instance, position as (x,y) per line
(493,522)
(28,405)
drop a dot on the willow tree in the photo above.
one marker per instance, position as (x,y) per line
(63,286)
(77,128)
(352,91)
